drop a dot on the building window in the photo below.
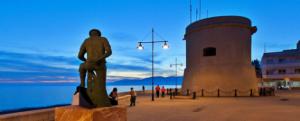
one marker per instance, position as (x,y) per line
(281,60)
(209,51)
(269,72)
(281,71)
(297,71)
(269,61)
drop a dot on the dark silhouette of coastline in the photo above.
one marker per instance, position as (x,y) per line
(30,109)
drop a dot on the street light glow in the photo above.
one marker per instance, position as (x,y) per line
(165,46)
(140,46)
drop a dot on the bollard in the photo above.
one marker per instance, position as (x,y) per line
(218,92)
(167,91)
(260,91)
(194,95)
(188,92)
(251,93)
(235,92)
(176,91)
(202,92)
(174,94)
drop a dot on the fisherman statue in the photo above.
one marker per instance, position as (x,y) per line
(97,49)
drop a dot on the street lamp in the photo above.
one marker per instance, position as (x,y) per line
(165,46)
(176,64)
(141,47)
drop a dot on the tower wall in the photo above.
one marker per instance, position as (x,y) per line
(218,56)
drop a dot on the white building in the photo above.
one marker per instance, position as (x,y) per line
(282,69)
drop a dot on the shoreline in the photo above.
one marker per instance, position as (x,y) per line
(4,112)
(31,109)
(18,102)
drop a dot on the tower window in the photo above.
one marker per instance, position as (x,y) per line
(209,51)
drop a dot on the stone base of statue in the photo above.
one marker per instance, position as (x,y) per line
(77,113)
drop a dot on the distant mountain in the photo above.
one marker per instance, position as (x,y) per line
(148,81)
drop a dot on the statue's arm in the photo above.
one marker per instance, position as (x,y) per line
(82,51)
(107,49)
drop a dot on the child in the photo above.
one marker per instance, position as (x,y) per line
(133,97)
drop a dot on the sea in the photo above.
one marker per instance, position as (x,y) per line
(23,96)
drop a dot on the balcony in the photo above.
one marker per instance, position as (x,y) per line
(292,76)
(281,65)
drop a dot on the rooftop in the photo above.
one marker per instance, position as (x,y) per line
(291,52)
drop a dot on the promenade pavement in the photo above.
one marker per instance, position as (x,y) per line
(285,106)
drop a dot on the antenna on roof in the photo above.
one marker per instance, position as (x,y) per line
(196,14)
(207,13)
(200,9)
(191,11)
(265,50)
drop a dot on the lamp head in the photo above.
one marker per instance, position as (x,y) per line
(165,46)
(140,46)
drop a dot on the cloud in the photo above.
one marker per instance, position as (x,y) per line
(36,59)
(122,67)
(146,57)
(26,67)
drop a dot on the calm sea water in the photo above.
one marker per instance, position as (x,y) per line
(14,96)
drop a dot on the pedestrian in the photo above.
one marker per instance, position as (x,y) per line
(114,96)
(170,93)
(176,91)
(167,91)
(143,89)
(132,97)
(157,89)
(163,91)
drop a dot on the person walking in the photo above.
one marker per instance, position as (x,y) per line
(143,89)
(176,91)
(132,97)
(157,89)
(163,91)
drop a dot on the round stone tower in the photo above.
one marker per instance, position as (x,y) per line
(218,56)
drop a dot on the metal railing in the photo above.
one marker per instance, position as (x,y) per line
(234,93)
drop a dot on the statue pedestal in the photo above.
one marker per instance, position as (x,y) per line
(76,113)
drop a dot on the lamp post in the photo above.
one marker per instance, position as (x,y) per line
(141,47)
(176,64)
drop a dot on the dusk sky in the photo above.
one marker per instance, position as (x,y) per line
(40,39)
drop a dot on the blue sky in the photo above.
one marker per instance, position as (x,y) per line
(40,38)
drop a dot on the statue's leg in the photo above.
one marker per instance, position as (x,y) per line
(82,71)
(90,85)
(101,97)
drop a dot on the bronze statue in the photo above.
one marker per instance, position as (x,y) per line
(97,49)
